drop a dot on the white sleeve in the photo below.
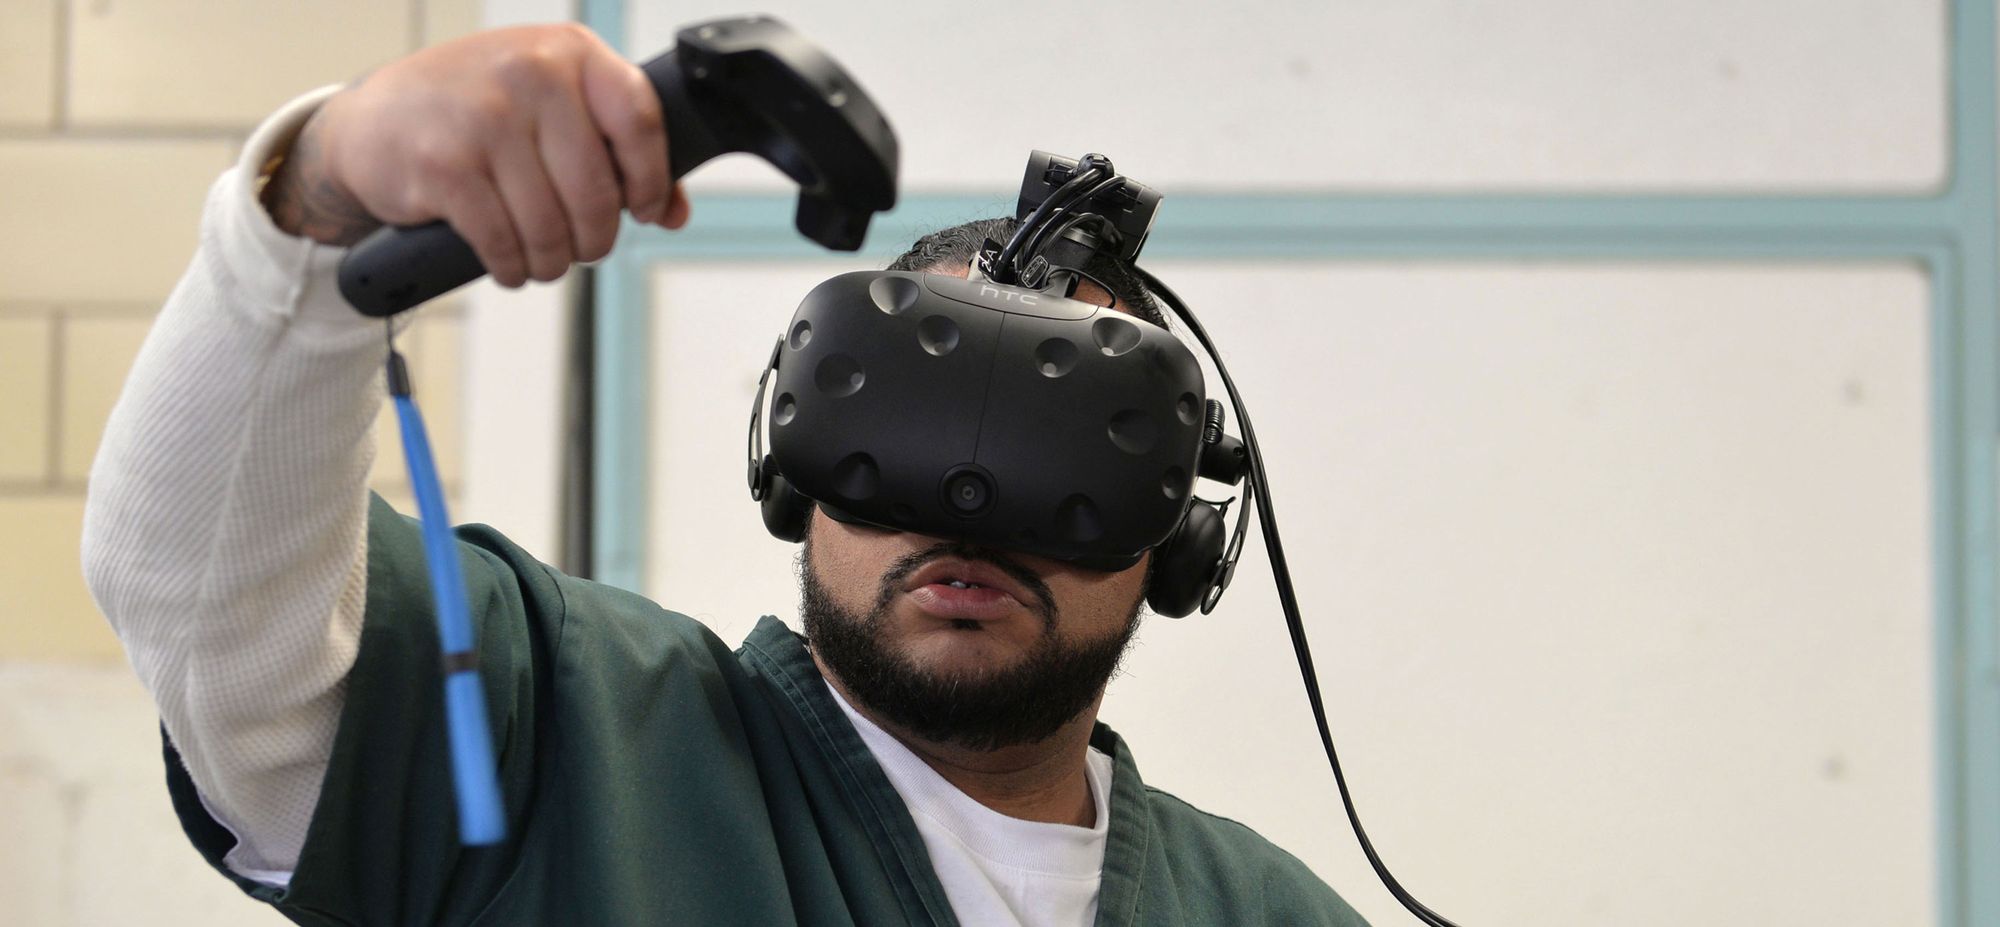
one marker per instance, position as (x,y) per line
(225,531)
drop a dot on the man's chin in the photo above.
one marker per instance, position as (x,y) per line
(967,649)
(997,681)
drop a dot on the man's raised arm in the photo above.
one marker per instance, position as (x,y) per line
(225,531)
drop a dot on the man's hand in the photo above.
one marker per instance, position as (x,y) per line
(528,141)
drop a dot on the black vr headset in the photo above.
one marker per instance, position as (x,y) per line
(998,410)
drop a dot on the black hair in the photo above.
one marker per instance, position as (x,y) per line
(958,245)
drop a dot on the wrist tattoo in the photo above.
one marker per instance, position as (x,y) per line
(303,199)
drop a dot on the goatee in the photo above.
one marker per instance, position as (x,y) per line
(979,710)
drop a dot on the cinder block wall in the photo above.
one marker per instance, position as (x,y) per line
(114,119)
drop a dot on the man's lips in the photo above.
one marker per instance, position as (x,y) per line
(989,592)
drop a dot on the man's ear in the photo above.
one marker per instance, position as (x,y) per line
(1087,290)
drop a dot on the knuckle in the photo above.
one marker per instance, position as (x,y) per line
(474,223)
(500,255)
(510,270)
(544,238)
(439,158)
(598,201)
(494,246)
(548,256)
(623,104)
(528,69)
(485,115)
(413,201)
(594,240)
(643,117)
(646,188)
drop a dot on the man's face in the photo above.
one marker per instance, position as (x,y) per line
(1025,646)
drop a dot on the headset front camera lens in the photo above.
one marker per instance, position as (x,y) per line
(967,493)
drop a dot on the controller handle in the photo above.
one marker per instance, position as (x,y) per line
(748,84)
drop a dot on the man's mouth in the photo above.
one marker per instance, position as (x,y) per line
(967,590)
(960,601)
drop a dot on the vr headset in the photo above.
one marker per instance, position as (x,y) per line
(999,410)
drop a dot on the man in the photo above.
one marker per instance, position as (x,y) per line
(931,756)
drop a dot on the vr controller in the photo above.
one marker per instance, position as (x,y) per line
(748,84)
(1002,415)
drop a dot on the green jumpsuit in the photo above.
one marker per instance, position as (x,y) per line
(652,776)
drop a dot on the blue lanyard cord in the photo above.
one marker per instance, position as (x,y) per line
(480,820)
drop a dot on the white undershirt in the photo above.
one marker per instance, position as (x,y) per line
(998,870)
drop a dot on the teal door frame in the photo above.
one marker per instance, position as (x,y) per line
(1952,233)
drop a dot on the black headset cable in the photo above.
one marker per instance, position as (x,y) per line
(1267,521)
(1088,170)
(1054,225)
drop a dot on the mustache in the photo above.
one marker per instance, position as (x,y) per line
(900,571)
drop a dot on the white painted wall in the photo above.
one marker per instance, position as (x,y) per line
(1425,94)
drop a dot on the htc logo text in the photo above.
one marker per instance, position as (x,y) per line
(1025,299)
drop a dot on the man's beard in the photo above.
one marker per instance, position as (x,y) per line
(979,710)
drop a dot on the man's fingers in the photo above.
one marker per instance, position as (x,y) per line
(581,171)
(627,112)
(474,209)
(537,212)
